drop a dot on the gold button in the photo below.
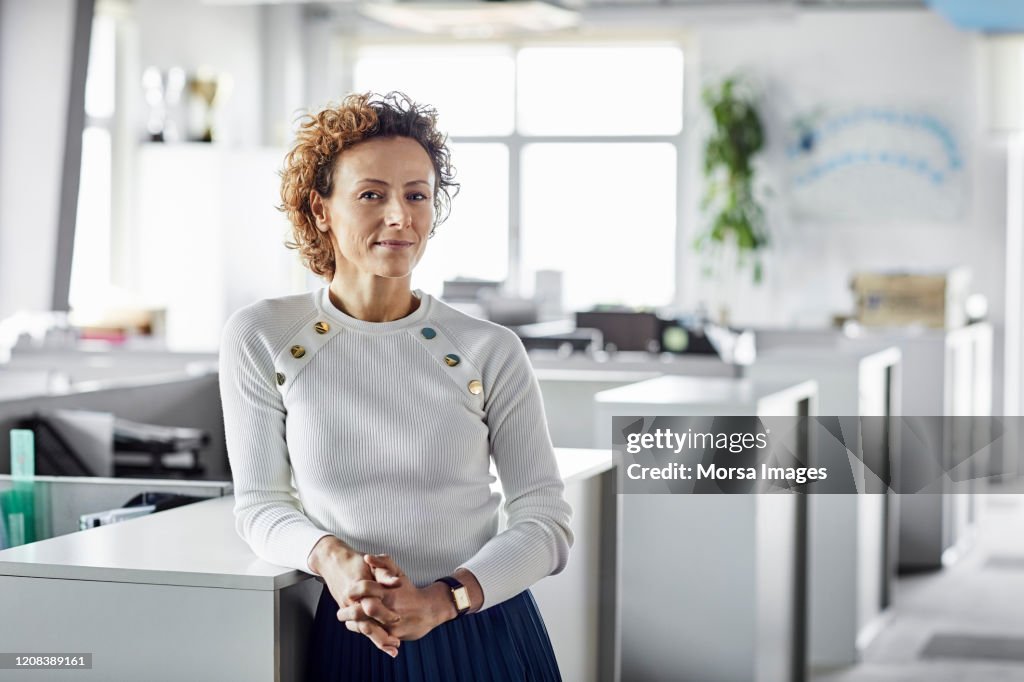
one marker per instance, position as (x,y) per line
(451,359)
(280,379)
(298,351)
(322,327)
(475,387)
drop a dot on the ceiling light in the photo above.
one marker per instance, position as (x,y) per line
(472,19)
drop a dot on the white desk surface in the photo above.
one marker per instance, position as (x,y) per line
(577,464)
(837,355)
(682,390)
(633,361)
(595,375)
(195,545)
(778,336)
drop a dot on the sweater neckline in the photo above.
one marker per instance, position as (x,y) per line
(325,306)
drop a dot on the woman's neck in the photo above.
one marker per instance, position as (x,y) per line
(378,299)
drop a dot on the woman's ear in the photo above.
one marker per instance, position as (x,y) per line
(319,210)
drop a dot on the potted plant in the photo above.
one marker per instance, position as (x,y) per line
(735,229)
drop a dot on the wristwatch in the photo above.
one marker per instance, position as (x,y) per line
(460,594)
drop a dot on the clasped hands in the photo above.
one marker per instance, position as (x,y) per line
(378,600)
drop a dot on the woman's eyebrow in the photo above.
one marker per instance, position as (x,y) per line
(382,182)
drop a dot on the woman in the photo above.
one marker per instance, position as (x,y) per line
(361,420)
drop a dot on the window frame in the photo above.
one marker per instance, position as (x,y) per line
(120,125)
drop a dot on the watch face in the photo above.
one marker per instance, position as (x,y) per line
(461,598)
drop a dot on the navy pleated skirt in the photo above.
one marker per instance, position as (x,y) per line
(502,643)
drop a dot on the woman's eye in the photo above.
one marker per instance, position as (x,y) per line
(369,195)
(418,196)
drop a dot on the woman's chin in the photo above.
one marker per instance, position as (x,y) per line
(394,268)
(393,272)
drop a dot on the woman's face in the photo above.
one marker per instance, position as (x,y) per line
(382,208)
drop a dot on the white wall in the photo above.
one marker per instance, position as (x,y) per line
(35,69)
(211,238)
(908,58)
(284,72)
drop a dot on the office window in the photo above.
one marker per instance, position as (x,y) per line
(600,90)
(473,242)
(605,215)
(472,88)
(568,158)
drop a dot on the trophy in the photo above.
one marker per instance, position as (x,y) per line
(163,93)
(203,89)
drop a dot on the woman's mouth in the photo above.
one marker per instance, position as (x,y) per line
(395,244)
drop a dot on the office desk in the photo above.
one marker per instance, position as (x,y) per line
(172,596)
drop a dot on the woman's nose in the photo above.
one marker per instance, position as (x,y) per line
(398,214)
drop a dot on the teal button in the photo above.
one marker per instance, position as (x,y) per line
(451,359)
(428,333)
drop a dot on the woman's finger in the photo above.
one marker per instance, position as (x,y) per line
(361,589)
(382,561)
(385,570)
(369,608)
(351,612)
(376,609)
(378,635)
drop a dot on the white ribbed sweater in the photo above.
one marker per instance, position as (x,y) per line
(372,437)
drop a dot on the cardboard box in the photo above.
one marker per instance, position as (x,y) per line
(890,299)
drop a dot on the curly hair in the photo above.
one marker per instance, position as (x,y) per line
(324,135)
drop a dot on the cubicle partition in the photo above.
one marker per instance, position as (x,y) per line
(176,399)
(569,400)
(59,502)
(108,363)
(944,373)
(711,587)
(569,383)
(853,537)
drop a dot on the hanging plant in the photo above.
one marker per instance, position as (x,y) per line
(734,215)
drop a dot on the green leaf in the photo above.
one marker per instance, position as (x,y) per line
(729,202)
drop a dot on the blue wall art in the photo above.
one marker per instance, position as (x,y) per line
(875,164)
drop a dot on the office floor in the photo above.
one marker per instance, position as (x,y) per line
(964,623)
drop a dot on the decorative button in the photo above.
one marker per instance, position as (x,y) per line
(428,333)
(322,327)
(475,387)
(451,359)
(280,379)
(298,352)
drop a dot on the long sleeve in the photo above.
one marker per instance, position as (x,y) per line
(268,515)
(537,539)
